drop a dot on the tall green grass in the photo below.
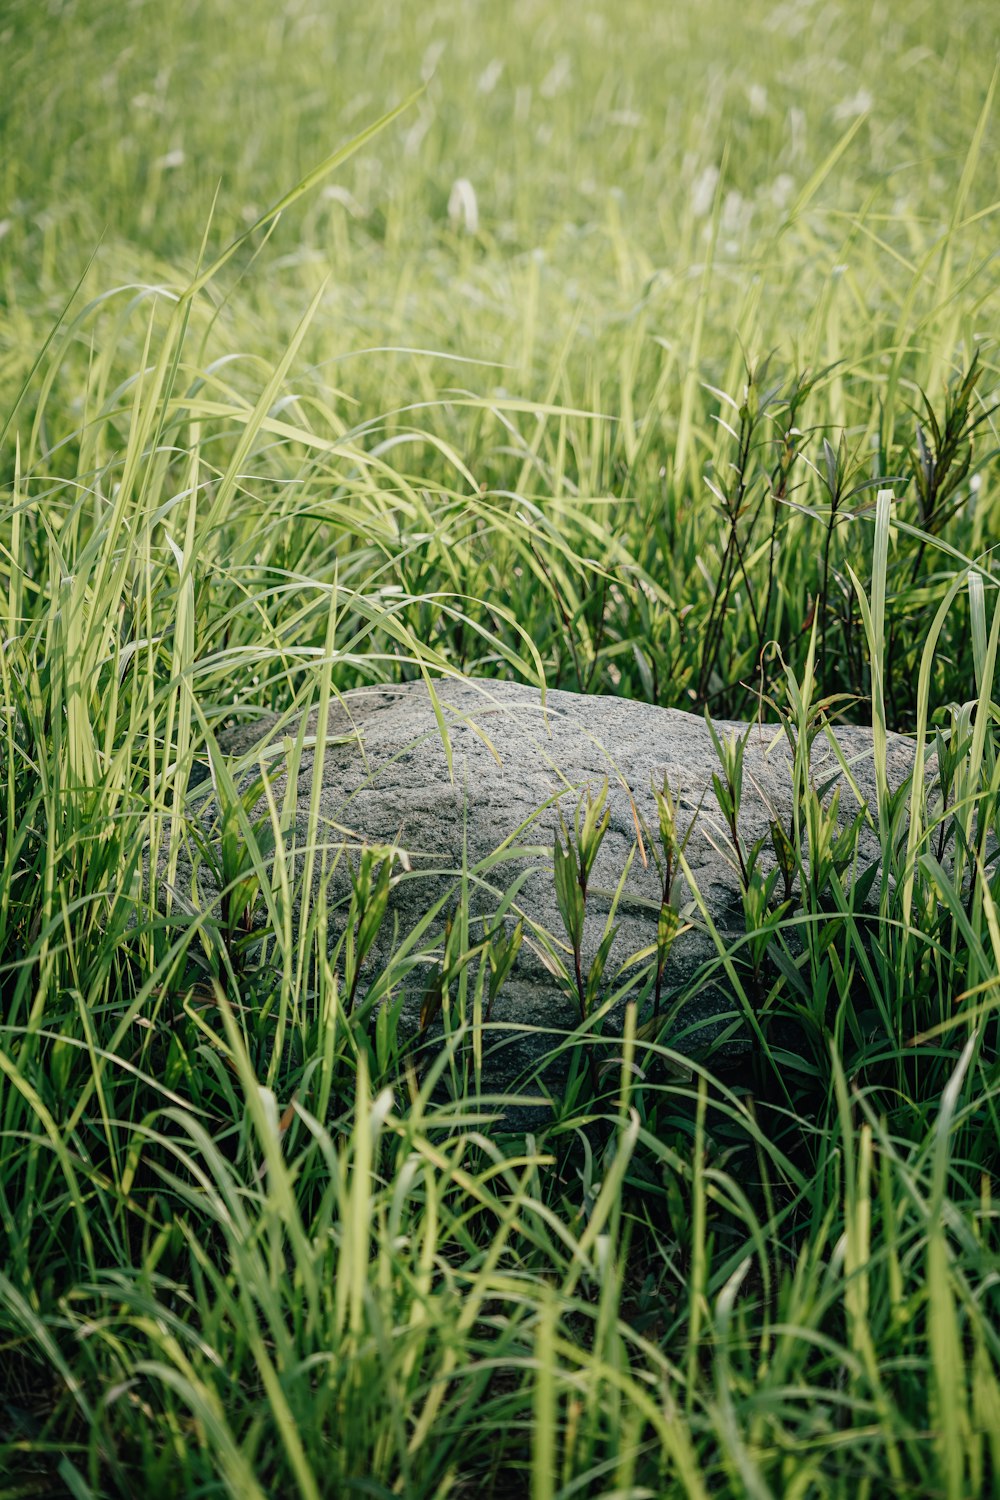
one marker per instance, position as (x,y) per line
(697,407)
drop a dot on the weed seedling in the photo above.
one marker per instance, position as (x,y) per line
(574,854)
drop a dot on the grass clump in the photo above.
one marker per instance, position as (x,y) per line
(688,394)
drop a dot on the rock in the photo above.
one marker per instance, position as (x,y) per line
(515,763)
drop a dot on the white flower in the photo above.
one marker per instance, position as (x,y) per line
(757,99)
(490,76)
(858,104)
(556,78)
(463,209)
(703,191)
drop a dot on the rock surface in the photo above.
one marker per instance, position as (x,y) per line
(516,762)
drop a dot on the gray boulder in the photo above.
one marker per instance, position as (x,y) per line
(516,763)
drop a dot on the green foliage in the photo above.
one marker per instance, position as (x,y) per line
(280,416)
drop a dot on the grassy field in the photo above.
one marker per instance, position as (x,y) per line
(641,349)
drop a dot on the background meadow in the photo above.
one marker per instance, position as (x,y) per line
(585,367)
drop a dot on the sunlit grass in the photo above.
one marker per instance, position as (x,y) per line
(688,395)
